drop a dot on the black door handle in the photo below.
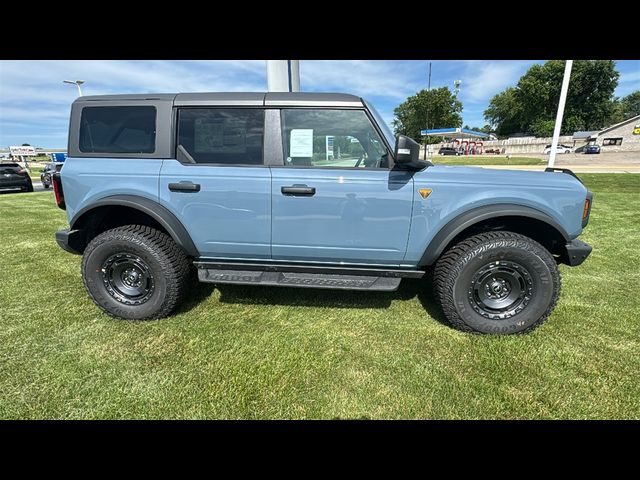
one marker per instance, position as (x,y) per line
(299,191)
(184,187)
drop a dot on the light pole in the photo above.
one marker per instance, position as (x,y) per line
(77,83)
(560,113)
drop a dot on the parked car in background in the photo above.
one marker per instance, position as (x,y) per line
(559,149)
(448,151)
(49,170)
(591,149)
(13,177)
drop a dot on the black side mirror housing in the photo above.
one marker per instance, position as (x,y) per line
(406,155)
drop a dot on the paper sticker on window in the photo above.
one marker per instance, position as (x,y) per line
(301,143)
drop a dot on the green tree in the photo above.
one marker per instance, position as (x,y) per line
(427,109)
(504,113)
(485,129)
(630,105)
(532,104)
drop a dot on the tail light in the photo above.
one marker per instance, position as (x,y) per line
(586,211)
(57,190)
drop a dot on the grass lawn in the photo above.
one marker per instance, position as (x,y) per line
(252,352)
(488,160)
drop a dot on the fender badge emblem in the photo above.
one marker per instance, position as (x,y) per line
(425,192)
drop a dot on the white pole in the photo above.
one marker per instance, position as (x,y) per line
(283,75)
(79,90)
(560,114)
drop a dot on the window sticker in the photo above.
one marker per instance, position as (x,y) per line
(301,143)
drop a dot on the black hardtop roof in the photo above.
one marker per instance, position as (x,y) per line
(235,99)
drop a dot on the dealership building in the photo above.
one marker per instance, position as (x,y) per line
(621,137)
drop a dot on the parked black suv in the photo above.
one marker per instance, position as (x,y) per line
(13,176)
(448,151)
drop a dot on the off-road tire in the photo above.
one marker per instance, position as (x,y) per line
(454,273)
(166,261)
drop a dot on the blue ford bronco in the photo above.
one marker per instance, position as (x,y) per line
(303,190)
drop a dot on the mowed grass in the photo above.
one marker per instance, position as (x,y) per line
(240,352)
(486,160)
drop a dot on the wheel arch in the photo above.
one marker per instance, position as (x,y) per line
(518,218)
(138,208)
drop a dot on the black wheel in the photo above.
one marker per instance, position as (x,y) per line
(135,272)
(29,187)
(497,282)
(46,185)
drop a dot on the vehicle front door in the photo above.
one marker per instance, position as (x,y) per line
(218,186)
(335,199)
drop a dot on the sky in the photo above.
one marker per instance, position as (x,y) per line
(34,103)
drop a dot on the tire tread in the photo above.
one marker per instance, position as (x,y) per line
(451,263)
(173,260)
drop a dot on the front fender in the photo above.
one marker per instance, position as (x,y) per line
(471,217)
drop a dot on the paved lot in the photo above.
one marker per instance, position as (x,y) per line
(37,187)
(609,162)
(601,159)
(576,168)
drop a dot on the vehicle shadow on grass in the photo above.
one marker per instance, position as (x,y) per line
(320,298)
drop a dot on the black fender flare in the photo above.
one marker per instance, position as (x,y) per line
(164,217)
(476,215)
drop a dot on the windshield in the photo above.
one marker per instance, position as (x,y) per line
(386,131)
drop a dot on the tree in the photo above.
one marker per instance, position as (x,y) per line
(427,109)
(26,145)
(532,104)
(630,105)
(504,113)
(485,129)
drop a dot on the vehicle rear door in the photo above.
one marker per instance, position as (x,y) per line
(217,185)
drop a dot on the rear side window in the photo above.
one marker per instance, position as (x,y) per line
(231,136)
(118,129)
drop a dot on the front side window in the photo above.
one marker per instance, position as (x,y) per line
(331,138)
(118,129)
(228,136)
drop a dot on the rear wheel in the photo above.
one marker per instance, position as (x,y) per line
(135,272)
(498,283)
(29,187)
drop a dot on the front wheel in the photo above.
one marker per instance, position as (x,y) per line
(135,272)
(497,283)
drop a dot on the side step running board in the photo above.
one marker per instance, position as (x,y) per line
(293,279)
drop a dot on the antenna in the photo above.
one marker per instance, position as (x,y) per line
(456,87)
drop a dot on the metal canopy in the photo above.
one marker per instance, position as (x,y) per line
(454,133)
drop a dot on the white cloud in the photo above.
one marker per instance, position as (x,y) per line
(361,77)
(629,77)
(483,79)
(33,97)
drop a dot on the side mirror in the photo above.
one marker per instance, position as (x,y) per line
(407,152)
